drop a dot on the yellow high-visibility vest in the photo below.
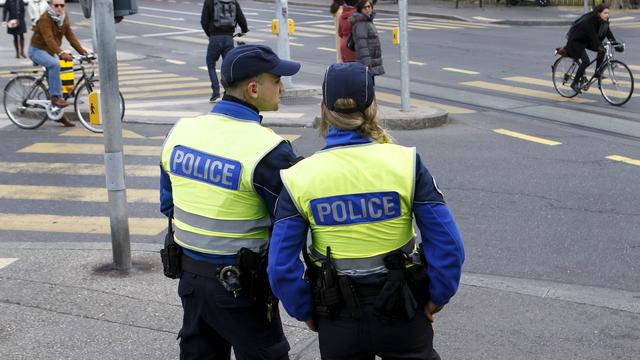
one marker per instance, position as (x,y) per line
(358,201)
(210,160)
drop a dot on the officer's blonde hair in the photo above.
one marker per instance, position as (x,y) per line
(366,122)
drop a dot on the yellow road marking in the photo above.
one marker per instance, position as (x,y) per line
(521,136)
(634,67)
(180,85)
(391,98)
(176,78)
(462,71)
(530,80)
(81,132)
(4,262)
(137,72)
(82,194)
(80,169)
(163,113)
(88,149)
(154,76)
(160,94)
(624,159)
(290,137)
(327,49)
(77,224)
(522,91)
(154,104)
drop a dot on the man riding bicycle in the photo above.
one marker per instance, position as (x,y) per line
(45,49)
(588,32)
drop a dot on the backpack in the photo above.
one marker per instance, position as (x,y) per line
(224,13)
(577,22)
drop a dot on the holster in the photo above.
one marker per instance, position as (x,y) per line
(171,255)
(396,299)
(325,284)
(253,267)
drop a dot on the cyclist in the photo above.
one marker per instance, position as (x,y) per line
(45,49)
(588,32)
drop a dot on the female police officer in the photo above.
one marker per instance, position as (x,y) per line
(359,196)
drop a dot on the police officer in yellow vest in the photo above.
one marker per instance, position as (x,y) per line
(219,184)
(369,288)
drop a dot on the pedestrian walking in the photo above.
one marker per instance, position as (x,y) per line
(219,185)
(344,30)
(219,20)
(46,49)
(336,11)
(365,38)
(369,289)
(36,8)
(13,18)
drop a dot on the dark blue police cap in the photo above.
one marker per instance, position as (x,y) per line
(246,61)
(348,81)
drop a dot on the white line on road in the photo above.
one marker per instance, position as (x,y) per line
(177,62)
(4,262)
(462,71)
(172,33)
(162,17)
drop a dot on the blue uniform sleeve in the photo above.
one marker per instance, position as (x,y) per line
(285,268)
(166,196)
(266,177)
(441,240)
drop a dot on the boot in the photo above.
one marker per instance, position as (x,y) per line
(58,101)
(16,44)
(22,47)
(64,120)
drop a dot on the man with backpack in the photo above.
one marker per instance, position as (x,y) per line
(219,20)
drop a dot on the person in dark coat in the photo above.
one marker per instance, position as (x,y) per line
(366,39)
(344,30)
(589,34)
(13,13)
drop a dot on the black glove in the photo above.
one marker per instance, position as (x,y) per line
(619,48)
(601,50)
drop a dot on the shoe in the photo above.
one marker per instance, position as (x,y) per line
(64,120)
(58,101)
(575,87)
(214,97)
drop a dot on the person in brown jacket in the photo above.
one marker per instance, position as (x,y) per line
(45,49)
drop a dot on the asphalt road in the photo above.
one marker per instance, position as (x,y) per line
(558,211)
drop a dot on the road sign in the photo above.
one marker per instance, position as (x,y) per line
(94,109)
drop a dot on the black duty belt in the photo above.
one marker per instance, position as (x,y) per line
(205,269)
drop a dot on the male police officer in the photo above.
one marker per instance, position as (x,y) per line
(219,184)
(367,290)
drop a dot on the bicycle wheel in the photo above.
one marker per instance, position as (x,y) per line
(564,70)
(616,83)
(16,93)
(83,108)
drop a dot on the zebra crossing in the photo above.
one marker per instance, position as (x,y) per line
(141,158)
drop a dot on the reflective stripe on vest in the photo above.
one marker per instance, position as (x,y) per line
(227,226)
(357,199)
(362,266)
(210,160)
(222,245)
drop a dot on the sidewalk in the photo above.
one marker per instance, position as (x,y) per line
(61,301)
(490,12)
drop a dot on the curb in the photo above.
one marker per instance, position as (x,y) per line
(415,119)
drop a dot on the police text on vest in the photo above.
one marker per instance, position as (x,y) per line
(208,168)
(356,208)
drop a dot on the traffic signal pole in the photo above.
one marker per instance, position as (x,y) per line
(103,18)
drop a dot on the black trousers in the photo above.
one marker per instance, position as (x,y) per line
(584,63)
(347,338)
(214,321)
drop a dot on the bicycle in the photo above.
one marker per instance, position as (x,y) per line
(614,78)
(28,105)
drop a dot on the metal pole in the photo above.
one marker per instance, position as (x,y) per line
(282,14)
(110,116)
(404,57)
(586,6)
(94,34)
